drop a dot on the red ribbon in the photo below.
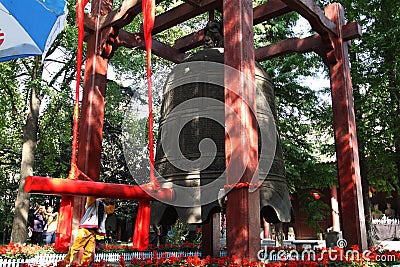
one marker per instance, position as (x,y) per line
(149,11)
(80,8)
(242,185)
(142,225)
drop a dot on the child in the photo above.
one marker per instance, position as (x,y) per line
(92,224)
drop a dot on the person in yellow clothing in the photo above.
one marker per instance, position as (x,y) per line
(91,224)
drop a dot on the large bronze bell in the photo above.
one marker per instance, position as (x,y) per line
(275,203)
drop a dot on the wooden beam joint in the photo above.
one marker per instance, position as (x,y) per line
(310,11)
(132,40)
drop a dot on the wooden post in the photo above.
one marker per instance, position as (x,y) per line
(211,237)
(243,206)
(92,110)
(351,201)
(92,113)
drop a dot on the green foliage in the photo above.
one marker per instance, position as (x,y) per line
(11,121)
(178,233)
(316,210)
(8,186)
(375,68)
(198,239)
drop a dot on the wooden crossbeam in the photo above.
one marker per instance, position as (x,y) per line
(182,13)
(310,11)
(196,3)
(190,41)
(119,18)
(351,31)
(263,12)
(269,10)
(132,40)
(309,44)
(312,43)
(58,186)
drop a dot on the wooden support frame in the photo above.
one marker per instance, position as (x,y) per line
(330,43)
(92,118)
(351,200)
(310,11)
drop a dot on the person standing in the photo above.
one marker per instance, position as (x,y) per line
(389,212)
(38,225)
(51,226)
(376,213)
(51,229)
(91,224)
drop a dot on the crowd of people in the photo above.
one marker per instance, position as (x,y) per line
(43,225)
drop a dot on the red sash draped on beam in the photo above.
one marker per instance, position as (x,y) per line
(64,227)
(142,226)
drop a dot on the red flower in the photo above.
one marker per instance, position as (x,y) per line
(122,261)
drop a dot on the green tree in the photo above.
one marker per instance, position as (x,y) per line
(30,129)
(34,87)
(375,67)
(12,104)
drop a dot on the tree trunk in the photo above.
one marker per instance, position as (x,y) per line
(358,102)
(363,165)
(30,130)
(366,200)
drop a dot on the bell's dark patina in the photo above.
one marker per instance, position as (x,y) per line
(274,196)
